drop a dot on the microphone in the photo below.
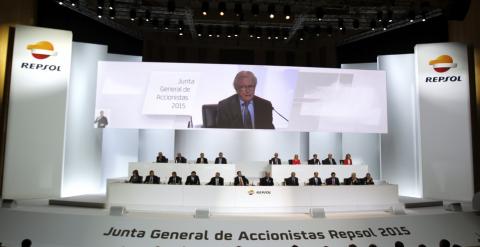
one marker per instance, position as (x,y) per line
(279,114)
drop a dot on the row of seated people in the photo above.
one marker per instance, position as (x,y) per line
(275,160)
(241,180)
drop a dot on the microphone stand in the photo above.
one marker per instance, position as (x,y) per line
(279,114)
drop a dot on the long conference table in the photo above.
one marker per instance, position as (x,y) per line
(251,198)
(228,171)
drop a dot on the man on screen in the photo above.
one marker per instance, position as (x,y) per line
(244,110)
(217,180)
(220,159)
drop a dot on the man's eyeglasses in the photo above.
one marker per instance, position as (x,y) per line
(246,88)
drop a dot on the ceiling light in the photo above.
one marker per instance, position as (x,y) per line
(379,16)
(271,11)
(133,14)
(222,8)
(319,13)
(148,15)
(205,7)
(373,25)
(287,12)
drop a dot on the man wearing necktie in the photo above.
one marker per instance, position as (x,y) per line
(193,179)
(315,180)
(314,160)
(202,159)
(220,159)
(244,110)
(240,180)
(332,180)
(267,180)
(174,179)
(329,160)
(151,178)
(217,180)
(292,180)
(275,160)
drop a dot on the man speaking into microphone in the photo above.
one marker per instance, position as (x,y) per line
(244,110)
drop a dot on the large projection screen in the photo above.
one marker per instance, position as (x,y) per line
(184,95)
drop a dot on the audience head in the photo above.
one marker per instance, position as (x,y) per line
(444,243)
(372,245)
(26,243)
(352,245)
(421,245)
(399,244)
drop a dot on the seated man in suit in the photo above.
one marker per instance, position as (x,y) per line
(174,179)
(192,179)
(292,180)
(240,180)
(244,110)
(202,159)
(217,180)
(180,158)
(353,180)
(315,180)
(220,159)
(314,160)
(332,180)
(135,178)
(329,160)
(267,180)
(161,158)
(151,178)
(368,180)
(275,160)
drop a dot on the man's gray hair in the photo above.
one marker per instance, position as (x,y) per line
(244,74)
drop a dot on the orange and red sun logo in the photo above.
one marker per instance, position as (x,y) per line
(442,63)
(42,50)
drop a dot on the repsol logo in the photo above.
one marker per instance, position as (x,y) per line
(39,66)
(438,79)
(264,192)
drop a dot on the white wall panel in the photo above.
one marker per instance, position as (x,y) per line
(150,142)
(324,143)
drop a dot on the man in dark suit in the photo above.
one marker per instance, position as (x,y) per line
(267,180)
(174,179)
(244,110)
(315,180)
(332,180)
(161,158)
(135,178)
(314,160)
(329,160)
(151,178)
(180,158)
(275,160)
(202,159)
(217,180)
(220,159)
(240,180)
(292,180)
(192,179)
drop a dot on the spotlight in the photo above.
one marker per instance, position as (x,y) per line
(181,25)
(379,16)
(255,9)
(276,33)
(100,4)
(111,4)
(271,11)
(229,31)
(286,33)
(251,31)
(258,32)
(385,26)
(236,30)
(238,9)
(340,24)
(166,23)
(180,33)
(269,32)
(287,12)
(424,15)
(199,29)
(148,15)
(390,16)
(112,13)
(356,24)
(205,7)
(222,8)
(319,13)
(373,25)
(218,32)
(74,3)
(133,14)
(411,15)
(60,2)
(301,34)
(171,6)
(210,31)
(99,13)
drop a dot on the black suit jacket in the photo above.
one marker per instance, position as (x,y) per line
(156,179)
(162,159)
(291,181)
(229,113)
(313,162)
(194,181)
(180,160)
(178,180)
(199,160)
(136,180)
(212,181)
(266,181)
(329,181)
(311,181)
(272,161)
(219,160)
(236,181)
(327,162)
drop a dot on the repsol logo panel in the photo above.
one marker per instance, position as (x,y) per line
(442,64)
(40,51)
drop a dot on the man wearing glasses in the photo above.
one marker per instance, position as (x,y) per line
(244,110)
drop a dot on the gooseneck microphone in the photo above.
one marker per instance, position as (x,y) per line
(273,108)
